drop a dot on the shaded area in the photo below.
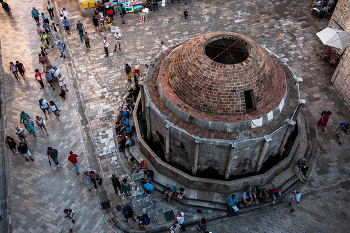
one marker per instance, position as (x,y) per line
(227,51)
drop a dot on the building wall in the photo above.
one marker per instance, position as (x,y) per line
(213,153)
(341,77)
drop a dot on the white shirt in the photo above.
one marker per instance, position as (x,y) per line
(111,3)
(181,219)
(297,196)
(53,108)
(20,130)
(44,104)
(117,36)
(56,73)
(49,6)
(105,43)
(64,13)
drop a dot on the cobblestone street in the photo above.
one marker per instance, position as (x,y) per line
(38,193)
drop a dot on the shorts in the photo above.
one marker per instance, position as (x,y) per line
(21,72)
(45,109)
(102,20)
(36,18)
(110,24)
(66,27)
(118,41)
(61,83)
(28,152)
(50,81)
(30,129)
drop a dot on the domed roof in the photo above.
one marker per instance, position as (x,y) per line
(224,73)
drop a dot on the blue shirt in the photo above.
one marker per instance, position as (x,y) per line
(186,8)
(49,77)
(65,23)
(126,121)
(232,201)
(172,188)
(35,13)
(149,187)
(124,113)
(128,129)
(60,46)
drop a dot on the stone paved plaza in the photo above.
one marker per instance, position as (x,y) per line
(38,193)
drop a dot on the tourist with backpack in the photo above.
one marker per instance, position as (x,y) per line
(142,221)
(122,12)
(341,130)
(128,212)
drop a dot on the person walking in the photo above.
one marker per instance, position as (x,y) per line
(53,153)
(295,200)
(24,150)
(137,74)
(73,159)
(54,109)
(21,70)
(118,41)
(69,215)
(62,49)
(105,46)
(20,134)
(14,70)
(87,40)
(44,106)
(341,131)
(22,117)
(30,125)
(41,123)
(42,61)
(87,175)
(44,54)
(80,30)
(122,12)
(44,17)
(57,74)
(50,9)
(35,14)
(38,78)
(66,24)
(49,79)
(185,10)
(64,12)
(11,144)
(102,20)
(109,22)
(180,219)
(95,21)
(324,119)
(116,184)
(128,72)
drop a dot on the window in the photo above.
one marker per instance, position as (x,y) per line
(249,101)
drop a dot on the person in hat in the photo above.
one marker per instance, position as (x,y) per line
(137,74)
(324,119)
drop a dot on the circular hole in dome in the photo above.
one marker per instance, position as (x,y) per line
(227,50)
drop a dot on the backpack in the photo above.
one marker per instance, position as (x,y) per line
(127,211)
(145,219)
(123,10)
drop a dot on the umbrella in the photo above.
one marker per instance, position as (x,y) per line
(334,37)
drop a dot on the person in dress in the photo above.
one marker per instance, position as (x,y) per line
(324,119)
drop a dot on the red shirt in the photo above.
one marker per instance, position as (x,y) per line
(38,77)
(73,158)
(136,71)
(274,190)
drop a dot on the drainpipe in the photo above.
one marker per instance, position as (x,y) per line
(229,164)
(194,168)
(167,143)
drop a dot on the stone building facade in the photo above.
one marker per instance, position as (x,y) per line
(341,77)
(196,105)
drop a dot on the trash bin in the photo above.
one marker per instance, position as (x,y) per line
(85,4)
(92,3)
